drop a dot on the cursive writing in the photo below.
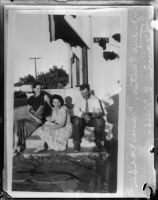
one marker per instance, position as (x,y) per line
(134,18)
(133,171)
(139,98)
(133,75)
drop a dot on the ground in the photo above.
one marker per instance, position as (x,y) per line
(58,173)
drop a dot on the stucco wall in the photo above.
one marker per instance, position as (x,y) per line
(105,75)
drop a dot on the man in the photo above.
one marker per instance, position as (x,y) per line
(88,111)
(23,128)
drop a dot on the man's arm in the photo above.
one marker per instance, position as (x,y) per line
(98,108)
(47,100)
(33,116)
(77,109)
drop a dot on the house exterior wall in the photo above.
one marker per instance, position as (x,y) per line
(104,74)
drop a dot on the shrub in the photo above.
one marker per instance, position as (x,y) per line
(20,94)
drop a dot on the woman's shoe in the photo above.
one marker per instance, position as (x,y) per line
(39,149)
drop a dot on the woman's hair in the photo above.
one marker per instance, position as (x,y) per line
(56,96)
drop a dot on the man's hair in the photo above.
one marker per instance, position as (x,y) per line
(35,84)
(85,86)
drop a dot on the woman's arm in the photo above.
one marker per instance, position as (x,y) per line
(63,116)
(32,115)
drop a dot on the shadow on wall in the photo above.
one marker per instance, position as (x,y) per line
(70,105)
(112,146)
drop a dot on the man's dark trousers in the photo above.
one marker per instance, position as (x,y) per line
(79,125)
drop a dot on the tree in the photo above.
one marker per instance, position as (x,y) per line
(29,79)
(18,84)
(55,78)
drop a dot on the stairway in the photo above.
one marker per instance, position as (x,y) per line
(87,144)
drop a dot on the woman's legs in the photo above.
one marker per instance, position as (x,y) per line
(42,134)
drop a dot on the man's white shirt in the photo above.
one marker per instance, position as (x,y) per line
(94,105)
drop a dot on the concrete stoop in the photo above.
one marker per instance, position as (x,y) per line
(87,144)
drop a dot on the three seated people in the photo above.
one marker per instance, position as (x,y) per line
(56,130)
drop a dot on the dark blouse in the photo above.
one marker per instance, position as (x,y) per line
(36,102)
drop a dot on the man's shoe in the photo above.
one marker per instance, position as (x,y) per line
(76,147)
(99,147)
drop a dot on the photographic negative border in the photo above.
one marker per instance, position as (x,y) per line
(2,89)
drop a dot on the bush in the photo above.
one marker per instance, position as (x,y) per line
(19,94)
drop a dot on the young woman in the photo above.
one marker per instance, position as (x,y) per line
(56,132)
(25,127)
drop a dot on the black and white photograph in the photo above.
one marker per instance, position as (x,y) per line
(66,70)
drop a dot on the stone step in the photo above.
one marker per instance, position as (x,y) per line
(87,143)
(69,151)
(34,143)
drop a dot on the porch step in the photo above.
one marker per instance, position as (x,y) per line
(87,144)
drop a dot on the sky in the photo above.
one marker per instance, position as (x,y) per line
(31,39)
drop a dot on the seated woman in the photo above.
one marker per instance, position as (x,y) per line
(55,133)
(23,128)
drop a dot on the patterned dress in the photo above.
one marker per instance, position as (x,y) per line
(56,138)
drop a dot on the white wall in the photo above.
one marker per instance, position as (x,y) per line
(104,74)
(80,25)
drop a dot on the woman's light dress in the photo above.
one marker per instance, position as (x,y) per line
(56,138)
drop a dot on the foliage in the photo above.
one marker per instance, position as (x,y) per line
(55,78)
(19,94)
(18,84)
(29,79)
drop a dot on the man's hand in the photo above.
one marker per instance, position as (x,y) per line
(47,123)
(97,114)
(87,117)
(45,127)
(109,136)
